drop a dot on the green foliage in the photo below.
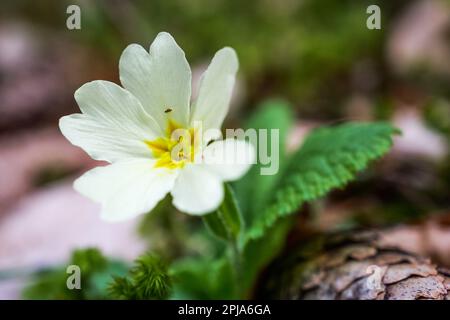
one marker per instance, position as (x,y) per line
(254,188)
(165,234)
(50,285)
(226,222)
(96,272)
(329,158)
(296,33)
(258,253)
(89,260)
(147,280)
(172,235)
(203,278)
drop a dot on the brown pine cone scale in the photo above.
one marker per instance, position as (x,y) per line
(354,266)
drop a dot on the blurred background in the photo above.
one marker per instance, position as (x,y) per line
(316,54)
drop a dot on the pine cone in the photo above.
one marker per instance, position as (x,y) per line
(354,266)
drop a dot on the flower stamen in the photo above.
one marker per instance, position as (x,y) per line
(175,149)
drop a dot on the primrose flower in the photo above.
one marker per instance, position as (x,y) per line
(152,136)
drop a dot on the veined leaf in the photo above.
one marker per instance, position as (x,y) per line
(329,158)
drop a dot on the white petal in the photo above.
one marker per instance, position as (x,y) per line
(197,191)
(126,189)
(230,158)
(102,141)
(161,79)
(215,91)
(114,106)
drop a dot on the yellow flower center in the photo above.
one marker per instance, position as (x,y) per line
(175,149)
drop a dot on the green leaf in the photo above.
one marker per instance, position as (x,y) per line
(202,278)
(258,253)
(329,158)
(226,221)
(253,189)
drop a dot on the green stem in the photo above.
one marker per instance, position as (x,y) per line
(236,262)
(226,223)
